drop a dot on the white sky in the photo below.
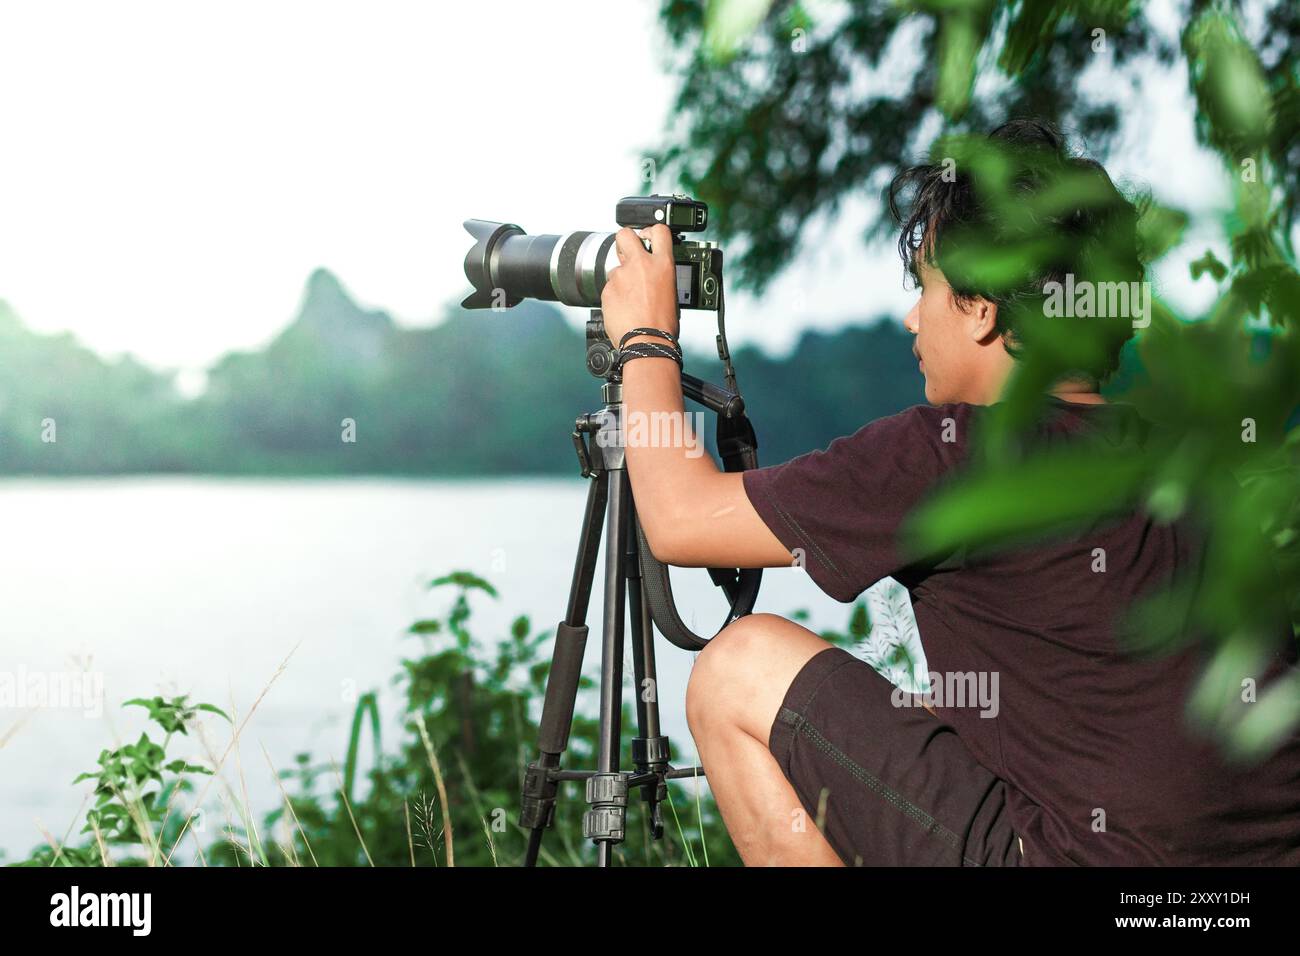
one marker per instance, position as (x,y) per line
(172,172)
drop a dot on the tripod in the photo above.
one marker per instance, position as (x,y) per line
(633,579)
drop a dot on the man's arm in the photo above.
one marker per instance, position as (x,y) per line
(693,514)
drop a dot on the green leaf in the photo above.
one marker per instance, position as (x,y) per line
(961,37)
(1211,264)
(728,23)
(465,580)
(213,709)
(1159,230)
(859,622)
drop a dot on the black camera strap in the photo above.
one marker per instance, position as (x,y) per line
(738,448)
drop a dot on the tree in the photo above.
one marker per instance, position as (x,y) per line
(776,127)
(778,123)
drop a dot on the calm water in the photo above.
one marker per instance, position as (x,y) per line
(204,586)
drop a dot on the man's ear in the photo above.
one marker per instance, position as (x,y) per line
(983,321)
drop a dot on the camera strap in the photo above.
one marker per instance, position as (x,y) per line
(737,443)
(738,449)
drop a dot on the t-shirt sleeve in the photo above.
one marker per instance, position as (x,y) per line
(840,510)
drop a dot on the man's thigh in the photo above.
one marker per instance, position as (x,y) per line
(888,785)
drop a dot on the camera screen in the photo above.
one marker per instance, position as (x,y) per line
(679,215)
(683,284)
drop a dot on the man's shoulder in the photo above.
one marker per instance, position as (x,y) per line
(941,430)
(955,423)
(927,416)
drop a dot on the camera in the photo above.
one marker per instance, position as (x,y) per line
(506,265)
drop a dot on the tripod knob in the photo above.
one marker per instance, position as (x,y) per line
(606,821)
(600,358)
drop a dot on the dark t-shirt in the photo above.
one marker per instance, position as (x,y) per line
(1101,763)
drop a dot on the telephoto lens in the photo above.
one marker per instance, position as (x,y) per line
(506,266)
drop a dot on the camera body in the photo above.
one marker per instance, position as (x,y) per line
(699,274)
(699,264)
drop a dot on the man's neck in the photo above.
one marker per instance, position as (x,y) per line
(1081,392)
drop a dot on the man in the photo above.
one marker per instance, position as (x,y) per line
(1085,755)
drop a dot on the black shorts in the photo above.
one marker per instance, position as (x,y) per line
(887,785)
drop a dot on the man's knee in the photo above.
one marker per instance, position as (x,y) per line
(721,667)
(743,673)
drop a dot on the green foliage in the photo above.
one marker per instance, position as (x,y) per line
(1223,388)
(118,415)
(136,787)
(785,127)
(478,711)
(447,792)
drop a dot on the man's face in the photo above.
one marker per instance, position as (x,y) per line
(951,358)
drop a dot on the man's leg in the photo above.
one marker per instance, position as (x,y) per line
(814,759)
(736,689)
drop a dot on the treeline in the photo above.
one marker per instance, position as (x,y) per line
(479,393)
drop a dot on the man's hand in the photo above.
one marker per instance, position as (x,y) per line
(642,290)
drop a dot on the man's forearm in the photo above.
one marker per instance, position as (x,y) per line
(665,459)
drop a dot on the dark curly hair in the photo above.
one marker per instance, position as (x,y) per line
(1003,215)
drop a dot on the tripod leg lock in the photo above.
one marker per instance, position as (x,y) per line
(606,821)
(651,752)
(537,808)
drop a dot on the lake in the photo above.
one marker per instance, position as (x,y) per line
(204,586)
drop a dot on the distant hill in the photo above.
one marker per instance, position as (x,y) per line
(478,393)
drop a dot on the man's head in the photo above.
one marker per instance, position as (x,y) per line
(985,233)
(961,342)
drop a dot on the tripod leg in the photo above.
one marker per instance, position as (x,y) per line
(650,750)
(539,793)
(607,788)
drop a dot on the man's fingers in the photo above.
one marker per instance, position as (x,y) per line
(626,241)
(661,240)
